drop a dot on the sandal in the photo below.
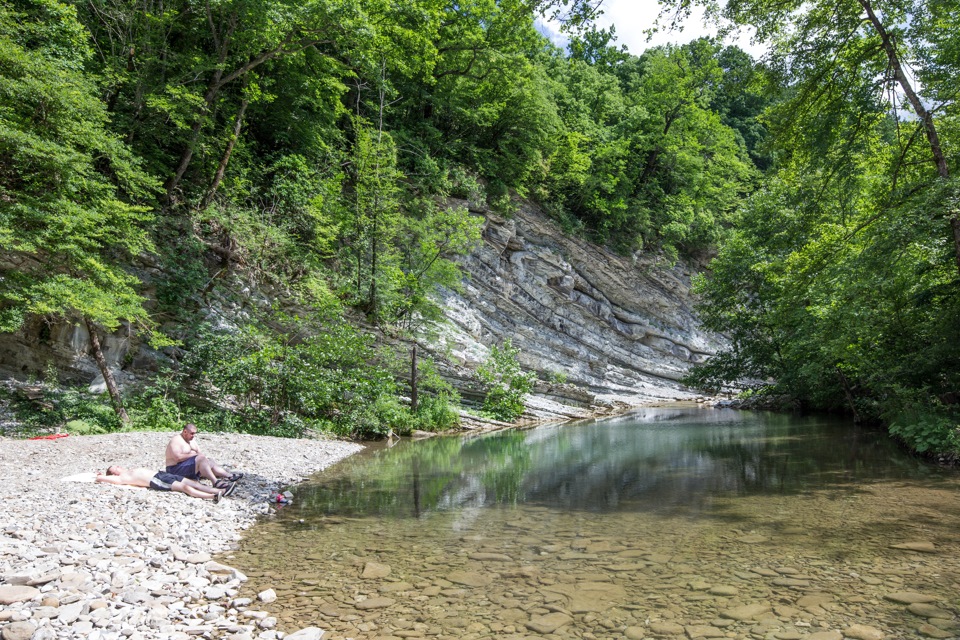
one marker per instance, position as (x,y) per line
(235,476)
(221,484)
(216,498)
(230,489)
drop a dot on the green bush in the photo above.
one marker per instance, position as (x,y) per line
(73,409)
(927,430)
(157,414)
(299,376)
(505,382)
(438,413)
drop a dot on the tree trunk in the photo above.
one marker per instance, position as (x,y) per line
(187,154)
(112,388)
(222,168)
(849,394)
(414,399)
(218,81)
(926,118)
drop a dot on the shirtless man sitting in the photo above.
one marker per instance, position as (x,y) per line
(183,458)
(161,481)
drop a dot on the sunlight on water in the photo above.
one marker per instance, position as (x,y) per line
(672,522)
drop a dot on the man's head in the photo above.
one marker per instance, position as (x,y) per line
(114,470)
(189,431)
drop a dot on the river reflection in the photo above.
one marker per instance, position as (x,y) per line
(653,458)
(669,522)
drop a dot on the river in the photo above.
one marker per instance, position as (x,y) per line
(683,522)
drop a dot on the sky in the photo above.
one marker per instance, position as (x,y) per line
(633,17)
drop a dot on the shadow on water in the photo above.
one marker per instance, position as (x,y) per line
(675,459)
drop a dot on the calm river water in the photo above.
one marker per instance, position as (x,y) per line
(681,522)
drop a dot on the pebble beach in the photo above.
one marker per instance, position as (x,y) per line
(88,560)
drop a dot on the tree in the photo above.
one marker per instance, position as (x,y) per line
(652,163)
(506,383)
(70,191)
(838,49)
(839,286)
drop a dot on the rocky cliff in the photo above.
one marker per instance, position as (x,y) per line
(620,330)
(601,330)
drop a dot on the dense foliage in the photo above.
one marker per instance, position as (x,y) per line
(840,284)
(313,148)
(156,157)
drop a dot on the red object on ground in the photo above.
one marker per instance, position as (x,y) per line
(52,436)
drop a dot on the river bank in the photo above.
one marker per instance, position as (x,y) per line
(102,562)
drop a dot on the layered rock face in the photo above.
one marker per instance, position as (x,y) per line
(616,330)
(621,328)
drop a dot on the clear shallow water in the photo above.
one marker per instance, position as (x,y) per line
(662,523)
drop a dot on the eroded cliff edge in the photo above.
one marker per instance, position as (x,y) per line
(621,330)
(618,330)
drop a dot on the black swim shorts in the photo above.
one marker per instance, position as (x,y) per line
(185,468)
(163,481)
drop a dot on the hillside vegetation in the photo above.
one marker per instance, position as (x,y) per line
(309,149)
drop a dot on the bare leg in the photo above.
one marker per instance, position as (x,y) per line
(191,491)
(218,470)
(199,486)
(205,468)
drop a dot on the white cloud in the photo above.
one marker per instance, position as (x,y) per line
(633,18)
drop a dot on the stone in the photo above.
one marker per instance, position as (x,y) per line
(18,631)
(930,631)
(922,547)
(825,635)
(375,603)
(44,579)
(268,623)
(309,633)
(490,557)
(666,628)
(723,590)
(637,633)
(470,578)
(585,597)
(925,610)
(10,594)
(69,613)
(548,623)
(195,558)
(73,580)
(909,597)
(863,632)
(793,583)
(217,569)
(43,613)
(752,538)
(703,631)
(267,596)
(746,612)
(814,600)
(375,571)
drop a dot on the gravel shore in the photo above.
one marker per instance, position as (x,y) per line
(102,562)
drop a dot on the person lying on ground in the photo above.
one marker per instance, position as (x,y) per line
(162,481)
(183,458)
